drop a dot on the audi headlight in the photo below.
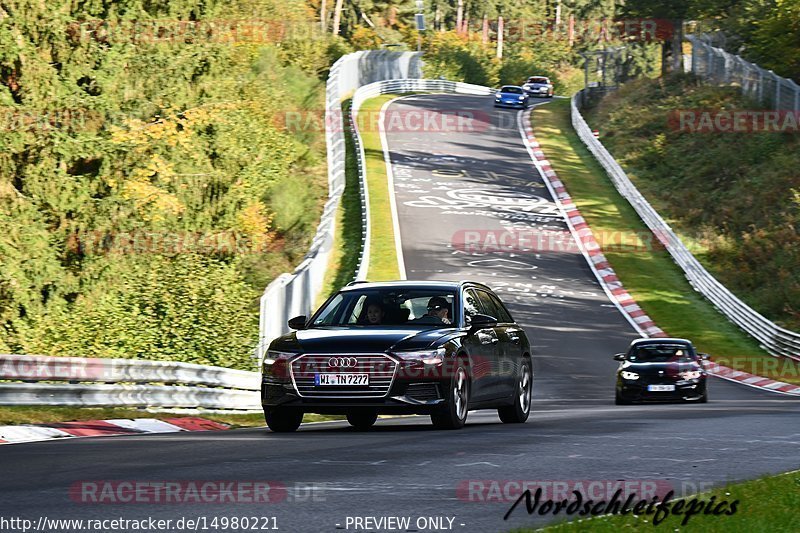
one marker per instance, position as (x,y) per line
(629,375)
(428,357)
(691,374)
(276,364)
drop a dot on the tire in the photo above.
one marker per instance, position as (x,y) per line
(362,420)
(518,412)
(283,420)
(704,397)
(453,414)
(618,400)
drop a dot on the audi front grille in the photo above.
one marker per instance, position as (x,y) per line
(380,368)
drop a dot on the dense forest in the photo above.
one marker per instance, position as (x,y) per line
(149,186)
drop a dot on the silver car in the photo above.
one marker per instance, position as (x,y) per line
(538,86)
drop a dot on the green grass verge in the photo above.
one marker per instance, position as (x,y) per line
(14,415)
(383,257)
(766,504)
(343,261)
(652,278)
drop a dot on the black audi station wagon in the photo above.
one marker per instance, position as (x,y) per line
(433,348)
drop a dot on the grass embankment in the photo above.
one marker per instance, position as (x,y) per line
(383,257)
(766,504)
(47,414)
(649,274)
(734,197)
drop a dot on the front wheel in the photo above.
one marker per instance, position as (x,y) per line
(362,420)
(283,420)
(453,413)
(618,400)
(518,412)
(704,397)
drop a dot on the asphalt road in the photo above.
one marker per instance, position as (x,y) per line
(447,183)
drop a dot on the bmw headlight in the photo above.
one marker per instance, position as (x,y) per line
(691,374)
(630,375)
(428,357)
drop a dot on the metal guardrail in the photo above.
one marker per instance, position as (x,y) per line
(715,65)
(773,338)
(40,380)
(293,294)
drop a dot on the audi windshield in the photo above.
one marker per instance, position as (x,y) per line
(431,308)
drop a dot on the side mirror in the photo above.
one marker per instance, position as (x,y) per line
(480,321)
(298,322)
(619,357)
(704,356)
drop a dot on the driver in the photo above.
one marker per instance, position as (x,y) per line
(438,307)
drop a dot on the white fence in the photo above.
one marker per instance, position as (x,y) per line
(293,294)
(775,339)
(720,67)
(77,381)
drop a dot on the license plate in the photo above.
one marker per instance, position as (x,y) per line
(661,388)
(341,379)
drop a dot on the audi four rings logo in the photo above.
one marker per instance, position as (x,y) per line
(342,362)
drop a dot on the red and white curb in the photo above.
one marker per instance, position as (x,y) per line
(102,428)
(605,274)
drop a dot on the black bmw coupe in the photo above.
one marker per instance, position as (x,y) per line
(660,369)
(434,348)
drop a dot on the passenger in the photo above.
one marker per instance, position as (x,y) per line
(375,313)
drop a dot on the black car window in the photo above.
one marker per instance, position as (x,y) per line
(662,353)
(489,306)
(380,307)
(472,306)
(511,89)
(504,315)
(331,312)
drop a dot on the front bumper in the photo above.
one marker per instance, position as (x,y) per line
(516,103)
(404,397)
(632,391)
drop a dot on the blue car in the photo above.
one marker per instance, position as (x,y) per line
(511,96)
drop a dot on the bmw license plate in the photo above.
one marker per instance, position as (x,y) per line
(661,388)
(341,379)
